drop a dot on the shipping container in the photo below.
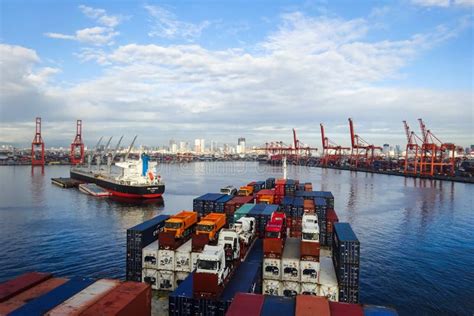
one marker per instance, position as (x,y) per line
(182,257)
(348,294)
(270,183)
(50,300)
(272,287)
(309,288)
(290,260)
(272,268)
(282,306)
(180,301)
(290,288)
(347,274)
(166,280)
(206,203)
(310,251)
(194,258)
(150,276)
(24,297)
(150,256)
(166,259)
(129,298)
(221,202)
(138,237)
(231,206)
(85,298)
(21,283)
(331,218)
(179,277)
(346,245)
(374,310)
(206,307)
(312,306)
(256,252)
(242,211)
(328,286)
(309,271)
(344,309)
(246,304)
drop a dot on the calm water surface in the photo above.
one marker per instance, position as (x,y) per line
(416,235)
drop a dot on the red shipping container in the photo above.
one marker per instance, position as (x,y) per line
(246,305)
(24,297)
(307,305)
(310,251)
(331,218)
(308,206)
(129,298)
(272,248)
(345,309)
(21,283)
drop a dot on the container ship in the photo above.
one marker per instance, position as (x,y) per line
(136,179)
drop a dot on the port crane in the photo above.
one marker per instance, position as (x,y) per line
(413,151)
(363,154)
(77,146)
(37,146)
(277,150)
(332,153)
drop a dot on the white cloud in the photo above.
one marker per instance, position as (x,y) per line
(165,24)
(443,3)
(100,15)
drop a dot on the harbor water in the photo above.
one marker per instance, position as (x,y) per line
(417,237)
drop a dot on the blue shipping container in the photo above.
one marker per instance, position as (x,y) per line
(181,302)
(278,305)
(256,253)
(374,310)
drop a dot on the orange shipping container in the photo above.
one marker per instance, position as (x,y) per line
(307,305)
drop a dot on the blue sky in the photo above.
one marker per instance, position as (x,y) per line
(219,70)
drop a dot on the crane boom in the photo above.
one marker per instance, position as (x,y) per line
(130,148)
(114,153)
(407,131)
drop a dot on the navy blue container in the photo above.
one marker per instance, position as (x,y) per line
(290,187)
(180,301)
(256,212)
(220,203)
(259,185)
(287,204)
(348,294)
(298,207)
(206,307)
(138,237)
(347,274)
(50,300)
(346,246)
(206,203)
(278,305)
(327,196)
(256,253)
(270,183)
(374,310)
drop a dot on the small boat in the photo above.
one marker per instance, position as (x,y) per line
(93,189)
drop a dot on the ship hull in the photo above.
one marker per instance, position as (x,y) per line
(122,190)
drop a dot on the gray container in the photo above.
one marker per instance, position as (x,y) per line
(290,260)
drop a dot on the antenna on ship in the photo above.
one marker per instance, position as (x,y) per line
(130,148)
(284,167)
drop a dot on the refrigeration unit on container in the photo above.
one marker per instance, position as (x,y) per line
(309,271)
(179,277)
(272,287)
(328,285)
(182,258)
(150,276)
(194,258)
(281,306)
(150,256)
(166,259)
(290,288)
(309,288)
(290,260)
(272,268)
(166,280)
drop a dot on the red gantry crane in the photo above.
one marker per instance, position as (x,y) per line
(37,146)
(413,151)
(277,150)
(436,157)
(77,146)
(332,153)
(363,154)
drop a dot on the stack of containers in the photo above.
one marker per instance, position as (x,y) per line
(265,217)
(270,183)
(256,212)
(327,283)
(320,205)
(297,211)
(231,206)
(183,264)
(258,185)
(346,258)
(331,218)
(290,267)
(290,187)
(150,265)
(221,202)
(242,211)
(308,186)
(279,190)
(138,237)
(271,273)
(206,203)
(310,269)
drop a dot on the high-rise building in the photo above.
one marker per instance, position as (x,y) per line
(203,145)
(241,145)
(386,148)
(197,145)
(183,146)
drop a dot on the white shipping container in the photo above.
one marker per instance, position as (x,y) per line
(309,288)
(166,260)
(290,288)
(166,280)
(290,260)
(272,268)
(309,271)
(79,302)
(182,257)
(272,287)
(328,286)
(150,256)
(194,259)
(150,276)
(179,277)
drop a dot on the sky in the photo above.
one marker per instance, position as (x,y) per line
(220,70)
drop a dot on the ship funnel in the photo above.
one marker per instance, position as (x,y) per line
(145,159)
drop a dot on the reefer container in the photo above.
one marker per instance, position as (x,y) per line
(85,298)
(272,268)
(26,296)
(50,300)
(166,280)
(343,309)
(309,288)
(290,260)
(182,258)
(179,277)
(242,211)
(346,245)
(180,301)
(129,298)
(246,304)
(272,287)
(150,276)
(328,285)
(290,288)
(312,306)
(374,310)
(21,283)
(282,306)
(150,256)
(309,271)
(138,237)
(166,259)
